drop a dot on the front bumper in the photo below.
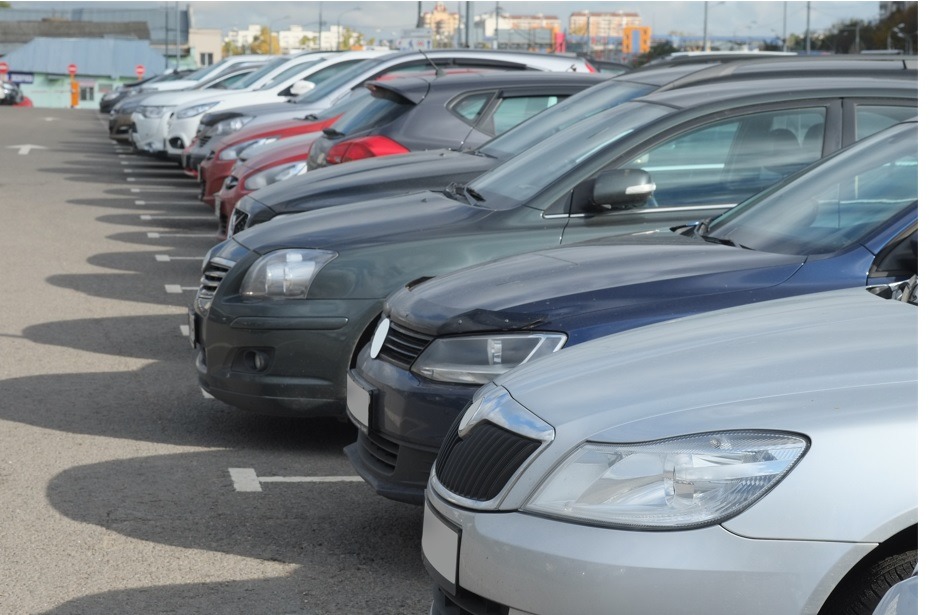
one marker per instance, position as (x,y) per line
(213,172)
(180,134)
(539,566)
(149,133)
(289,358)
(402,428)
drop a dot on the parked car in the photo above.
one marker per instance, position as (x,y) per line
(850,220)
(759,459)
(294,79)
(321,98)
(109,100)
(160,124)
(434,170)
(284,308)
(10,94)
(120,116)
(452,112)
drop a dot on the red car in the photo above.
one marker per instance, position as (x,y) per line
(218,166)
(269,164)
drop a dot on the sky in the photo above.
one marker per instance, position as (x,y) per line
(387,19)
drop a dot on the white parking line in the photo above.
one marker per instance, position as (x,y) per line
(177,289)
(168,217)
(160,235)
(246,479)
(185,330)
(164,258)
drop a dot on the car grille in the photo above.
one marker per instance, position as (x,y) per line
(479,466)
(239,221)
(204,139)
(213,275)
(380,451)
(402,346)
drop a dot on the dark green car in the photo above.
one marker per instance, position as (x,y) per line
(284,307)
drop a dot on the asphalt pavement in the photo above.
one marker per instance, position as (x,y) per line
(123,488)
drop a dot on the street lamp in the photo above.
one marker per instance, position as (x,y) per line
(338,26)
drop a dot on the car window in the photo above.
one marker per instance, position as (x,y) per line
(382,106)
(834,205)
(470,107)
(515,110)
(265,70)
(731,159)
(229,81)
(289,73)
(870,119)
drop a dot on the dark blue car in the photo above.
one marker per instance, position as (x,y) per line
(850,220)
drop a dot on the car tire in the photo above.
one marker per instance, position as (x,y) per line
(863,588)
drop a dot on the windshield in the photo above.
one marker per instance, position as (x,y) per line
(832,206)
(524,176)
(332,85)
(566,113)
(288,73)
(262,72)
(199,74)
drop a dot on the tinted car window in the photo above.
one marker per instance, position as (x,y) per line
(873,118)
(539,166)
(839,202)
(382,106)
(516,109)
(470,108)
(729,160)
(561,116)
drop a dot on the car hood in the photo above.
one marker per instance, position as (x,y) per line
(367,223)
(432,169)
(180,99)
(723,370)
(625,273)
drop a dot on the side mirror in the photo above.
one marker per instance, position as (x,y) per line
(301,87)
(619,189)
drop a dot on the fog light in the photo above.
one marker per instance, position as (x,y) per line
(256,360)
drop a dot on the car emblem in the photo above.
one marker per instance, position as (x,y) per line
(380,334)
(497,407)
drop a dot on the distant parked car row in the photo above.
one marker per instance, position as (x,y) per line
(665,319)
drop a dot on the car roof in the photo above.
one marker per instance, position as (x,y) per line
(414,88)
(565,60)
(788,88)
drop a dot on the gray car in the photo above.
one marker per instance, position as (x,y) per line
(761,459)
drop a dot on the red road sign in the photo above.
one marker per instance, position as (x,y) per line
(72,69)
(139,71)
(4,67)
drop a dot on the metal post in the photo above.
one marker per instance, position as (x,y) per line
(808,27)
(784,39)
(496,25)
(177,36)
(706,39)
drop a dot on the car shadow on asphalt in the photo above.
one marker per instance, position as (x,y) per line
(350,550)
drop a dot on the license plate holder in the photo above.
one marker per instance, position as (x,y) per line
(441,543)
(358,401)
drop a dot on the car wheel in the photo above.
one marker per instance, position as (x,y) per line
(859,593)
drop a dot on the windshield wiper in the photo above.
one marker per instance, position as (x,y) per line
(333,133)
(311,116)
(474,194)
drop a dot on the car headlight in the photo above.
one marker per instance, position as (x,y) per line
(478,359)
(275,174)
(233,151)
(678,483)
(284,274)
(232,124)
(152,112)
(187,112)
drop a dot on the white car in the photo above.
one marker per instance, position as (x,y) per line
(151,116)
(760,459)
(293,80)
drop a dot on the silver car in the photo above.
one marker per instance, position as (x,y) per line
(760,459)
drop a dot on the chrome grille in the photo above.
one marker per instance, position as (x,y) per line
(402,346)
(479,466)
(213,275)
(239,221)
